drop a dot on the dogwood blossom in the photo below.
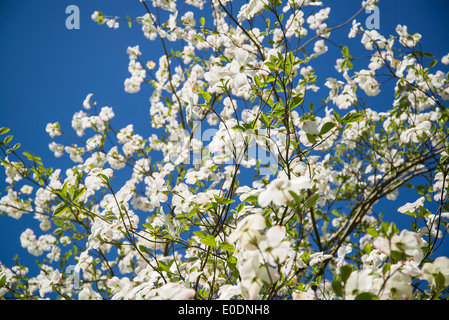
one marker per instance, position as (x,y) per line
(273,246)
(252,182)
(432,270)
(96,179)
(411,207)
(254,276)
(53,129)
(88,293)
(416,134)
(445,59)
(360,281)
(407,242)
(247,231)
(278,191)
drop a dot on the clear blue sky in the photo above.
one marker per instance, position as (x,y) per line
(47,70)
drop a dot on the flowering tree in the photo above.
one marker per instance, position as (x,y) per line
(257,183)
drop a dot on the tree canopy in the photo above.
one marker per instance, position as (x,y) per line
(263,173)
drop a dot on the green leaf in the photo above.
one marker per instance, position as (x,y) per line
(327,127)
(78,193)
(345,52)
(311,138)
(28,155)
(202,21)
(398,255)
(60,209)
(439,281)
(207,96)
(232,262)
(423,212)
(227,247)
(200,234)
(337,116)
(312,200)
(3,281)
(4,130)
(163,266)
(147,226)
(433,63)
(366,296)
(7,139)
(345,272)
(296,101)
(296,197)
(352,117)
(367,248)
(338,288)
(238,127)
(209,240)
(265,119)
(372,232)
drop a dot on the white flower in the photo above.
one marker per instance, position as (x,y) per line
(106,113)
(116,284)
(405,38)
(445,59)
(342,252)
(372,36)
(26,189)
(416,134)
(346,99)
(407,242)
(310,127)
(359,281)
(439,187)
(431,270)
(112,23)
(75,153)
(174,291)
(216,77)
(46,285)
(306,295)
(192,176)
(315,21)
(354,29)
(227,292)
(278,191)
(370,4)
(133,52)
(53,129)
(98,17)
(57,148)
(411,207)
(367,82)
(95,180)
(84,261)
(132,84)
(318,257)
(87,293)
(398,286)
(247,230)
(253,277)
(87,103)
(274,246)
(249,10)
(320,47)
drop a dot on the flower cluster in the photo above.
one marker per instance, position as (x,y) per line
(246,187)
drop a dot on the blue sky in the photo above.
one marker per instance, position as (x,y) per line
(47,70)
